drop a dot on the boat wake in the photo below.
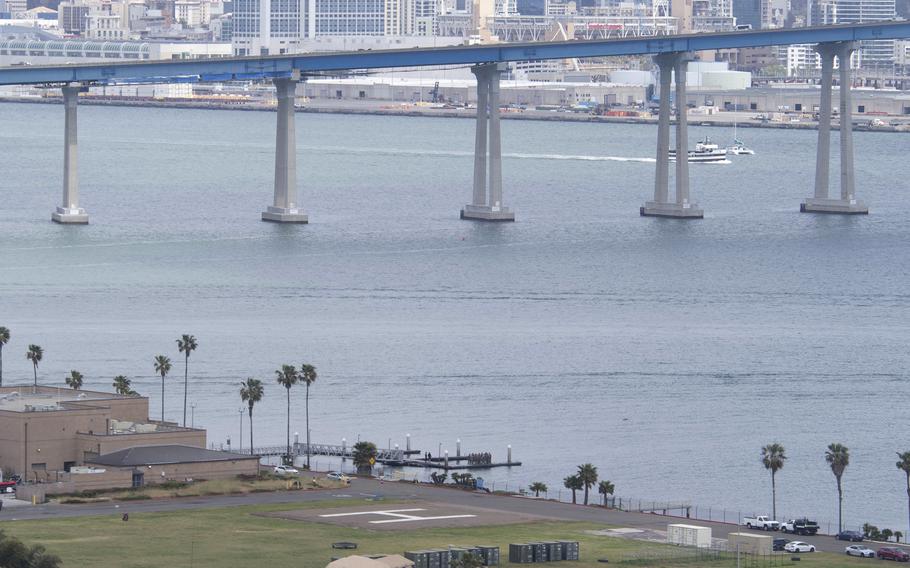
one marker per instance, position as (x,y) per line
(459,154)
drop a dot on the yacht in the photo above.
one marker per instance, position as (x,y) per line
(705,152)
(738,148)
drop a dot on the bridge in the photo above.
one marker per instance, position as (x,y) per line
(671,54)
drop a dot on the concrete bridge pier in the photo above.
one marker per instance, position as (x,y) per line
(284,207)
(487,205)
(661,206)
(821,202)
(69,213)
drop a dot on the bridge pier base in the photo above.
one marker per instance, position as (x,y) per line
(284,205)
(487,150)
(661,206)
(69,213)
(820,202)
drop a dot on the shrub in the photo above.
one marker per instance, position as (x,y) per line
(133,496)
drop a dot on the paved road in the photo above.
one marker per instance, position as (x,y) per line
(363,488)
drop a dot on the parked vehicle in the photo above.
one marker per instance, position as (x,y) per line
(762,522)
(892,553)
(337,475)
(852,536)
(799,526)
(799,546)
(860,550)
(779,544)
(285,470)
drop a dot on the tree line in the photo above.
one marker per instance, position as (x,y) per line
(837,456)
(252,390)
(584,479)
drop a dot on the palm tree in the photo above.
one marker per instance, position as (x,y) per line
(904,464)
(537,487)
(572,482)
(35,354)
(186,345)
(251,392)
(74,381)
(773,458)
(605,488)
(307,376)
(838,457)
(122,385)
(287,377)
(587,473)
(364,455)
(162,367)
(4,339)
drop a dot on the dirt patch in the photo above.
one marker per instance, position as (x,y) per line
(407,516)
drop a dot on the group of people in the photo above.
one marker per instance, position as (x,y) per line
(481,458)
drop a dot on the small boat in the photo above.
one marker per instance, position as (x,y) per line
(739,149)
(705,152)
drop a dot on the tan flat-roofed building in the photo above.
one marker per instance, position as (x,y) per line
(44,430)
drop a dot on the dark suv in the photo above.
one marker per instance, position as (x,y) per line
(779,543)
(891,553)
(852,536)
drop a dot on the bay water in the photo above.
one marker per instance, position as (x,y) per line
(665,352)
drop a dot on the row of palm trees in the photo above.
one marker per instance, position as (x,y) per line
(34,354)
(773,457)
(121,384)
(252,390)
(186,345)
(583,479)
(75,380)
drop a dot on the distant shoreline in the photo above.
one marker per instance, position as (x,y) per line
(385,109)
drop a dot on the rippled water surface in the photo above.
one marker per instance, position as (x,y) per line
(664,352)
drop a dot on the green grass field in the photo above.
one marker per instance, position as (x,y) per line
(237,538)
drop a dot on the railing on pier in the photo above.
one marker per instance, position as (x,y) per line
(300,449)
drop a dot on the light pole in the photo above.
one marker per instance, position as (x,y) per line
(192,415)
(240,439)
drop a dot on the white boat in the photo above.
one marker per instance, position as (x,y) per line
(739,149)
(705,152)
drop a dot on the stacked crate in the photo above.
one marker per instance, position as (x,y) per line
(490,555)
(570,549)
(550,551)
(521,553)
(421,558)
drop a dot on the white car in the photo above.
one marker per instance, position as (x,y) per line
(798,546)
(338,476)
(860,550)
(285,470)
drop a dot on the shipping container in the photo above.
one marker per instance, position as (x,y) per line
(689,535)
(521,553)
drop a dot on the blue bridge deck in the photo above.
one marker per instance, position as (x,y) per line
(223,69)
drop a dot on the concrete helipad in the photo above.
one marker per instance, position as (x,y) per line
(407,516)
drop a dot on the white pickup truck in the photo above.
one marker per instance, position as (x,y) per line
(762,522)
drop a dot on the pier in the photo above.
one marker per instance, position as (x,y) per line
(394,456)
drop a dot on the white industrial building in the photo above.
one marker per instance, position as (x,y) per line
(50,52)
(464,91)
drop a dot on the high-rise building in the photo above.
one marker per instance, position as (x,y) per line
(873,53)
(748,13)
(349,17)
(71,17)
(270,26)
(426,17)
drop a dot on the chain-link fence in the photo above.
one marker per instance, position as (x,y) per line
(702,557)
